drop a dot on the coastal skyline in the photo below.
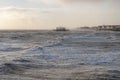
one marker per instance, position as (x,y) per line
(48,14)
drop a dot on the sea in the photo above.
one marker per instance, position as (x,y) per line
(59,55)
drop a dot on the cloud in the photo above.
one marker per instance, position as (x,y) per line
(14,17)
(16,9)
(23,18)
(68,14)
(72,1)
(80,0)
(28,11)
(15,13)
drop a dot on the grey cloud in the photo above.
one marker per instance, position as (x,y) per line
(66,1)
(71,1)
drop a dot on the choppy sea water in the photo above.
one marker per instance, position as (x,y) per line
(51,55)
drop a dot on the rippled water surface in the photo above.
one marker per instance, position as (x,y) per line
(50,55)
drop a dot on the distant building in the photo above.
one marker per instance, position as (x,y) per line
(61,29)
(109,27)
(85,27)
(94,28)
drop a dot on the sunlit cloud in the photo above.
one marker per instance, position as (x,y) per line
(12,17)
(25,18)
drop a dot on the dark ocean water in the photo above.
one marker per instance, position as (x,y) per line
(51,55)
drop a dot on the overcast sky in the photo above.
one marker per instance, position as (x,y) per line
(48,14)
